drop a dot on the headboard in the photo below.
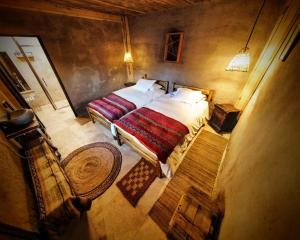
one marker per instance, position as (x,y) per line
(163,83)
(208,92)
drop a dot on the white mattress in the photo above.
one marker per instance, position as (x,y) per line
(138,97)
(191,115)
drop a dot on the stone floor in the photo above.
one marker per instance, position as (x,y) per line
(111,216)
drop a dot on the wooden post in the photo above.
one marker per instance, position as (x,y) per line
(127,47)
(118,138)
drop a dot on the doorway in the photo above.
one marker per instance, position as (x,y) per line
(31,73)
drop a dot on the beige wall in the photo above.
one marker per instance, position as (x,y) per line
(261,170)
(87,54)
(214,31)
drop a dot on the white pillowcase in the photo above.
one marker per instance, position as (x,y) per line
(188,96)
(144,85)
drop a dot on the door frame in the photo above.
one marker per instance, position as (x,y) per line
(14,91)
(9,62)
(5,77)
(51,64)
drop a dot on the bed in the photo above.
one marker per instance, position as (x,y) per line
(123,101)
(177,127)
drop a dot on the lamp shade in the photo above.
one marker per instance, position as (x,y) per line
(240,62)
(128,57)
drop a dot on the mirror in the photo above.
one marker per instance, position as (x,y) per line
(173,46)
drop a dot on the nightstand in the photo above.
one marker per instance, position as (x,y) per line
(224,117)
(129,84)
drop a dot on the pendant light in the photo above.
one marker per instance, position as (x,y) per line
(241,61)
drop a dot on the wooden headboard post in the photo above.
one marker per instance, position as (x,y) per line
(208,92)
(163,83)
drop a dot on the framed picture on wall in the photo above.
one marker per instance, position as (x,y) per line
(173,47)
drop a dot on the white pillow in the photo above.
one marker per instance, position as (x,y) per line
(144,85)
(188,96)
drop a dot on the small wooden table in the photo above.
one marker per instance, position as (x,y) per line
(19,133)
(224,117)
(27,134)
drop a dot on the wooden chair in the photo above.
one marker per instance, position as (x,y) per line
(196,217)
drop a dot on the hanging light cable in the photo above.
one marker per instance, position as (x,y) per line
(241,61)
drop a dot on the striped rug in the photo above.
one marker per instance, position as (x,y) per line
(198,169)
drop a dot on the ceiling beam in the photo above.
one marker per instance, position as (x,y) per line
(47,7)
(113,5)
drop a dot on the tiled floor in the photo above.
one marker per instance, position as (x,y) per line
(62,103)
(111,216)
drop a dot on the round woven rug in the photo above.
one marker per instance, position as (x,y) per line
(92,168)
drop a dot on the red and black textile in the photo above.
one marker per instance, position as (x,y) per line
(112,106)
(159,133)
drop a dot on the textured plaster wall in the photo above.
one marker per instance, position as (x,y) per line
(214,32)
(261,172)
(87,54)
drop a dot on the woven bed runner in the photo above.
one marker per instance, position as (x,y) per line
(112,106)
(159,133)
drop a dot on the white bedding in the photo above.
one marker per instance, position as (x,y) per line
(191,115)
(138,97)
(188,114)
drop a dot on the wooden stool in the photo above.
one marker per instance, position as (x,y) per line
(196,217)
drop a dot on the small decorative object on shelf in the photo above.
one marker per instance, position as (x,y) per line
(224,117)
(129,84)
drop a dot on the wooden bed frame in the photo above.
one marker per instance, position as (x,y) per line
(122,138)
(96,116)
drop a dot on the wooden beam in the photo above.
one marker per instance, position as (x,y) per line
(113,5)
(127,47)
(277,38)
(46,7)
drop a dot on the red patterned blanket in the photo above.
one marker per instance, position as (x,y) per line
(159,133)
(112,106)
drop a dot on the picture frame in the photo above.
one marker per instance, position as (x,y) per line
(173,47)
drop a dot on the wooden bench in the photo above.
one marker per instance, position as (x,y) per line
(56,201)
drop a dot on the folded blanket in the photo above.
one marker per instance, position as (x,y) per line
(159,133)
(112,106)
